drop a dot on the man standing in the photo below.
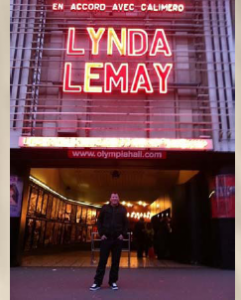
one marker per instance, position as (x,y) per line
(112,225)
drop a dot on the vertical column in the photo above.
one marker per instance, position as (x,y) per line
(18,216)
(222,199)
(211,75)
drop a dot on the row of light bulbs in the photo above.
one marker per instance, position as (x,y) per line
(130,205)
(142,203)
(138,215)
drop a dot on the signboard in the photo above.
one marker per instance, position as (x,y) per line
(102,76)
(16,191)
(119,77)
(135,143)
(223,196)
(116,154)
(119,7)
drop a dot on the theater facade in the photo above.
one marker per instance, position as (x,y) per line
(135,97)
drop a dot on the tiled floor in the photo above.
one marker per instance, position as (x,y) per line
(83,259)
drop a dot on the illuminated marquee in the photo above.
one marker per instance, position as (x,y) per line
(118,77)
(81,142)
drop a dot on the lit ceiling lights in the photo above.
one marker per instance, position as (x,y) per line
(128,204)
(137,215)
(141,203)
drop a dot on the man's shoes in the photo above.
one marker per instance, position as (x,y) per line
(114,286)
(94,287)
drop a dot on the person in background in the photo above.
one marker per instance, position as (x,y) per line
(169,237)
(139,236)
(149,233)
(163,236)
(112,226)
(156,227)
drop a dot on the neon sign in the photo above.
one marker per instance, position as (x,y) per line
(126,45)
(121,7)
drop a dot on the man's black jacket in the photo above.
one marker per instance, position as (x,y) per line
(112,221)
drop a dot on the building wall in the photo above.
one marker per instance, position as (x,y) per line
(200,100)
(163,202)
(191,221)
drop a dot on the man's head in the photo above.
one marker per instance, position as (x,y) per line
(114,199)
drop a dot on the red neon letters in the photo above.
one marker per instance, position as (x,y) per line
(71,50)
(132,42)
(116,77)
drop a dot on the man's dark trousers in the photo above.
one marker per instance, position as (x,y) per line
(113,245)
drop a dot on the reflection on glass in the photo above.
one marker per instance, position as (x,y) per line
(57,208)
(88,220)
(73,214)
(36,234)
(79,230)
(32,201)
(84,234)
(88,234)
(55,234)
(39,204)
(41,240)
(61,210)
(67,234)
(49,209)
(78,214)
(30,224)
(60,233)
(68,208)
(84,213)
(48,235)
(93,216)
(45,203)
(73,233)
(54,206)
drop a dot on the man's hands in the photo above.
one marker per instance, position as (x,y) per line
(120,237)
